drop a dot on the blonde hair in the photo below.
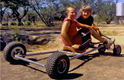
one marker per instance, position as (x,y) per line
(86,8)
(70,6)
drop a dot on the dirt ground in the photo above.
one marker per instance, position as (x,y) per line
(92,66)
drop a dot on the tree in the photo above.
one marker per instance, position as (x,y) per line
(14,5)
(2,11)
(48,10)
(107,11)
(104,9)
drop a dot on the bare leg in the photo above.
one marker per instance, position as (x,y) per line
(96,35)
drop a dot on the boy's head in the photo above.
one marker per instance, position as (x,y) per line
(71,11)
(86,11)
(70,6)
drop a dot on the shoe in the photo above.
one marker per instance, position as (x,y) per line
(109,42)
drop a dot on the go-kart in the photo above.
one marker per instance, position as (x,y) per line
(58,63)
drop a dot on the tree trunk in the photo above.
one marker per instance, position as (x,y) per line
(19,21)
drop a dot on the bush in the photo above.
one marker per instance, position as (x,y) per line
(5,24)
(15,36)
(27,23)
(13,23)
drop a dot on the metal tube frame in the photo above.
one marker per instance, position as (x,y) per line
(76,55)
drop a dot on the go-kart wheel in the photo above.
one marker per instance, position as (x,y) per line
(117,50)
(101,50)
(12,49)
(57,65)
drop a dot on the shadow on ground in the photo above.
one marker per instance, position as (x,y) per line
(85,58)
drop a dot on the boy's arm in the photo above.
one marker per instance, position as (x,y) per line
(80,25)
(64,31)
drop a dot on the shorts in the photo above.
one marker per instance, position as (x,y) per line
(86,38)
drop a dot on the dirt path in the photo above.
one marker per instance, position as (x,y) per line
(89,67)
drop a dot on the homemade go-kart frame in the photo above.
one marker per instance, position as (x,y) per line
(58,63)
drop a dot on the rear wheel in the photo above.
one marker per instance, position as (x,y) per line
(57,65)
(12,49)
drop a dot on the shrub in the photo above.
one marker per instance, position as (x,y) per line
(13,23)
(5,24)
(15,36)
(27,23)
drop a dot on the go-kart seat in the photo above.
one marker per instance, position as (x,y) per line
(86,40)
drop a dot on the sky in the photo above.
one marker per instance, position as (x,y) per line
(119,0)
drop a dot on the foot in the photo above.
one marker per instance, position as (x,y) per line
(69,48)
(109,42)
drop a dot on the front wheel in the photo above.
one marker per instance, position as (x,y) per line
(57,65)
(117,50)
(101,50)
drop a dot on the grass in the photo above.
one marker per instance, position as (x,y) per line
(109,33)
(33,47)
(38,24)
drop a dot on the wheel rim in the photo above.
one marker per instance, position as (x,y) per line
(17,51)
(62,66)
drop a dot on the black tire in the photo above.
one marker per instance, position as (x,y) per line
(101,50)
(2,45)
(57,65)
(12,49)
(117,50)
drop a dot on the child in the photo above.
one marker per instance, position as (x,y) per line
(69,30)
(86,18)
